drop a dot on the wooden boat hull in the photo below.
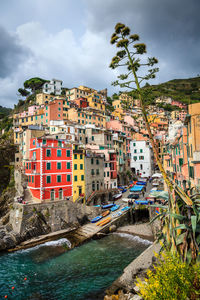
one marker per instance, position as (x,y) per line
(105,213)
(103,222)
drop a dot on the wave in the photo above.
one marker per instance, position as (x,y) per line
(133,238)
(59,242)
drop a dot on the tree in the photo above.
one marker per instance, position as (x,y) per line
(23,92)
(34,83)
(137,70)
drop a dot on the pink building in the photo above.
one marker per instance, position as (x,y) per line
(115,125)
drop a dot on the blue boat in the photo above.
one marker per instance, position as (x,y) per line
(143,202)
(125,208)
(115,207)
(96,219)
(107,206)
(141,183)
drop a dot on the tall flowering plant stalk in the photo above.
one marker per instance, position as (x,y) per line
(137,68)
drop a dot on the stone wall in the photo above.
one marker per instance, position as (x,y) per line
(55,215)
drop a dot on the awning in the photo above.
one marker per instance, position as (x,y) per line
(136,188)
(159,194)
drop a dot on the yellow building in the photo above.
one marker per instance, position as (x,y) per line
(117,105)
(95,101)
(86,116)
(41,98)
(78,173)
(125,97)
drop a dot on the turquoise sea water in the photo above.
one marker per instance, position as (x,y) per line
(54,273)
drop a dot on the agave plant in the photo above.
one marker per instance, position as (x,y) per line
(180,230)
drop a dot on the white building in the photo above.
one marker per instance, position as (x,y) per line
(54,86)
(141,158)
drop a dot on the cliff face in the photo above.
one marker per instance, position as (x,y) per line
(7,156)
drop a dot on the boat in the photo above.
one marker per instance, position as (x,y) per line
(105,213)
(96,219)
(125,208)
(105,221)
(107,206)
(115,207)
(142,202)
(117,196)
(117,214)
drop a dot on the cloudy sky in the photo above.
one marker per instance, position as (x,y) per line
(70,40)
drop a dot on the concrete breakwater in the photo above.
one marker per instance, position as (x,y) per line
(77,236)
(34,220)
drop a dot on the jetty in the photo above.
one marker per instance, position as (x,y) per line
(75,235)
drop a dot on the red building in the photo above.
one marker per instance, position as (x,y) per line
(49,169)
(81,102)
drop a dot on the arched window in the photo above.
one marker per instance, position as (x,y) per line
(97,185)
(93,186)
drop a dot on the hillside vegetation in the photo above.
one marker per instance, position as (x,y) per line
(183,90)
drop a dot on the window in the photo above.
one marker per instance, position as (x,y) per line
(58,178)
(48,179)
(48,153)
(135,151)
(97,162)
(48,166)
(191,172)
(75,156)
(75,166)
(58,153)
(29,166)
(92,161)
(29,178)
(82,177)
(68,165)
(92,172)
(68,153)
(135,158)
(92,138)
(107,174)
(141,150)
(93,186)
(32,179)
(81,156)
(33,142)
(75,178)
(58,165)
(141,157)
(97,171)
(134,144)
(104,174)
(68,178)
(81,166)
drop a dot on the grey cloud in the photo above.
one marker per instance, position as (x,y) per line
(11,53)
(169,28)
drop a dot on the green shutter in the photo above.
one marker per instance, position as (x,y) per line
(68,165)
(68,178)
(68,153)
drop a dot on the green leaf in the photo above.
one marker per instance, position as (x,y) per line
(159,206)
(156,217)
(177,216)
(189,256)
(194,223)
(180,238)
(183,226)
(198,240)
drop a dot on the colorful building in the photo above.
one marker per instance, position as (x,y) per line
(49,169)
(78,172)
